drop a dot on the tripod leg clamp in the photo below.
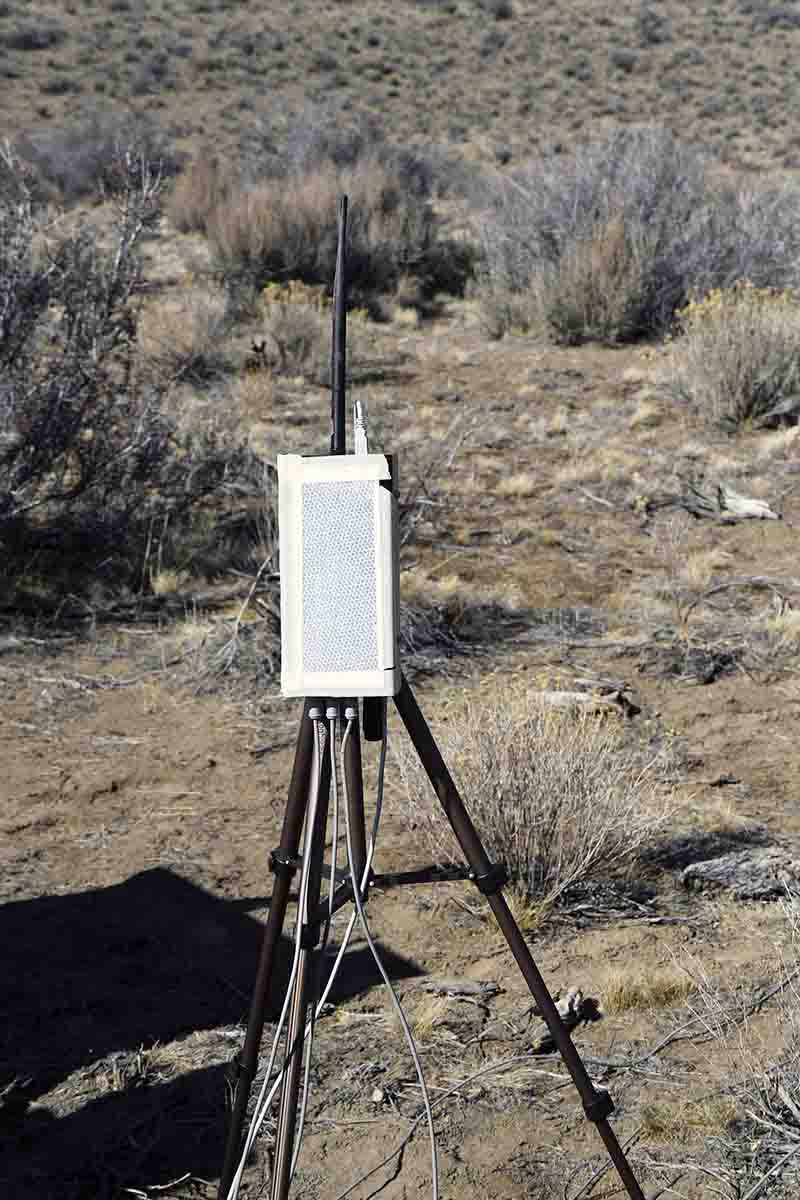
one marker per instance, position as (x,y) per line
(310,937)
(599,1109)
(283,865)
(494,879)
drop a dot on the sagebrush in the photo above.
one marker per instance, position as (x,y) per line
(560,797)
(736,354)
(606,243)
(95,469)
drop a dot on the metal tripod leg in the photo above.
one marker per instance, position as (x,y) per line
(597,1105)
(284,864)
(302,991)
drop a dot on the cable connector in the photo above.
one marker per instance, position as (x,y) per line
(360,428)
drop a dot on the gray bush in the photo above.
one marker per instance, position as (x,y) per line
(560,797)
(76,160)
(607,242)
(91,457)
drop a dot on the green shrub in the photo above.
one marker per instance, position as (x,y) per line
(736,354)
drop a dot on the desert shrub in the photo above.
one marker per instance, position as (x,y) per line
(607,243)
(501,10)
(283,224)
(653,26)
(29,36)
(297,326)
(92,460)
(624,60)
(184,338)
(197,192)
(560,797)
(736,355)
(78,160)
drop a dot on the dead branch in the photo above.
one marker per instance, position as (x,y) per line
(759,582)
(723,504)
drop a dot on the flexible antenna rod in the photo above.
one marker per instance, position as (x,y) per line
(339,339)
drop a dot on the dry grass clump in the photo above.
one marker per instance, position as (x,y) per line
(286,228)
(737,353)
(625,992)
(783,631)
(184,338)
(560,797)
(197,193)
(682,1120)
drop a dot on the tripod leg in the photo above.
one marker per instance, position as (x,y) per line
(597,1105)
(283,863)
(298,1012)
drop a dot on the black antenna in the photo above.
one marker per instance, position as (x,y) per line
(339,339)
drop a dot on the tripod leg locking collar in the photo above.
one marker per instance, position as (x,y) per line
(494,880)
(599,1109)
(310,936)
(282,864)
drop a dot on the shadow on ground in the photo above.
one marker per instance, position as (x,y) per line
(92,975)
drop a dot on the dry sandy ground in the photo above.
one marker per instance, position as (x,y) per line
(136,826)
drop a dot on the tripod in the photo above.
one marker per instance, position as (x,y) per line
(307,806)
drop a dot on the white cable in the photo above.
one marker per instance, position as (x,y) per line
(378,962)
(262,1106)
(332,713)
(335,829)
